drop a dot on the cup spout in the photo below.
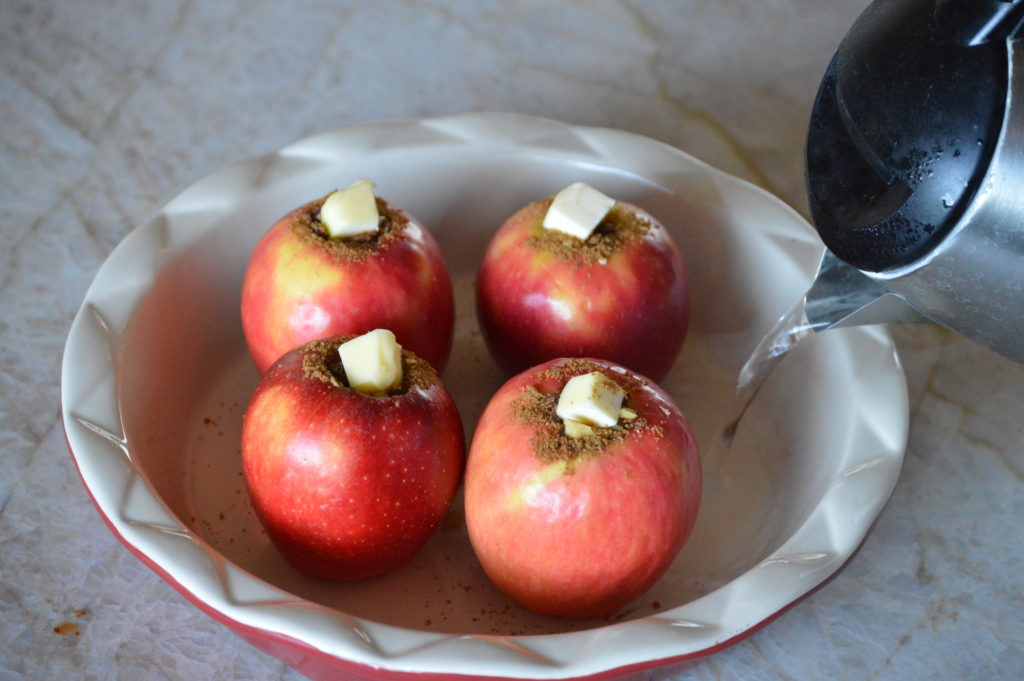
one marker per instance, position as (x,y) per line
(841,295)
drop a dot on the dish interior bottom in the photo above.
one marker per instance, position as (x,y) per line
(185,380)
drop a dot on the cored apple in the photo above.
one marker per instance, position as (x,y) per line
(620,294)
(579,526)
(301,285)
(349,485)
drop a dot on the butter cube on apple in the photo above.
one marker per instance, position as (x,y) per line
(591,399)
(372,362)
(577,210)
(350,211)
(575,429)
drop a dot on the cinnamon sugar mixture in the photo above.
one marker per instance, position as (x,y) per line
(306,224)
(618,228)
(320,360)
(550,443)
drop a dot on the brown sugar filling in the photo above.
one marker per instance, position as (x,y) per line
(549,442)
(356,248)
(618,228)
(321,361)
(568,368)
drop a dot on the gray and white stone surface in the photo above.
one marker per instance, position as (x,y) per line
(110,107)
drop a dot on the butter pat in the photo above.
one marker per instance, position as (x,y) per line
(577,210)
(575,429)
(372,362)
(351,211)
(591,399)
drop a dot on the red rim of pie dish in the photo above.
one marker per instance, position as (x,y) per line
(321,666)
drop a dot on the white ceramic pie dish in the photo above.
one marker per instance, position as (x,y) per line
(156,377)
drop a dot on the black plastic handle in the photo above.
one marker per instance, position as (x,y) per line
(904,125)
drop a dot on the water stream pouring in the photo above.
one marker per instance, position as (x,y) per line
(915,175)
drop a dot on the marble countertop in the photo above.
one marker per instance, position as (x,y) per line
(110,107)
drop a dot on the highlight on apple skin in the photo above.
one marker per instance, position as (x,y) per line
(579,526)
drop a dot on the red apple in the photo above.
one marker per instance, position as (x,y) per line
(300,286)
(347,485)
(579,527)
(621,295)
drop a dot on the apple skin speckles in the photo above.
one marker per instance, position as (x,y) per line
(297,290)
(629,305)
(580,535)
(347,485)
